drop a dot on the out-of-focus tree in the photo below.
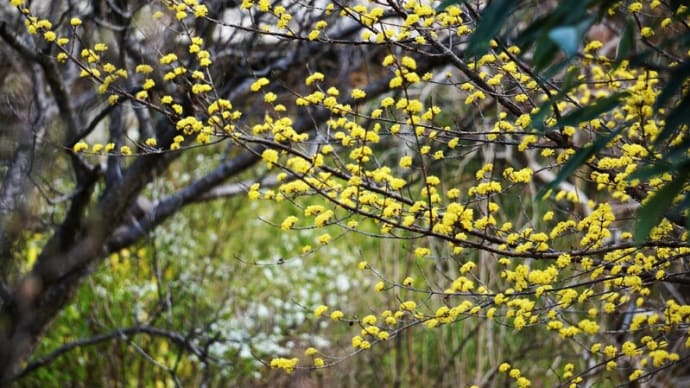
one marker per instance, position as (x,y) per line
(502,144)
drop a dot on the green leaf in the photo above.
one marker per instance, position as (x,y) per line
(590,112)
(651,213)
(445,4)
(675,119)
(578,116)
(673,161)
(625,44)
(675,4)
(655,169)
(492,19)
(577,160)
(679,152)
(568,15)
(678,76)
(685,205)
(568,38)
(544,54)
(602,7)
(570,82)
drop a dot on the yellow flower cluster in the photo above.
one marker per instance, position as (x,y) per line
(400,160)
(288,364)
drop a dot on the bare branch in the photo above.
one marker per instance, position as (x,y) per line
(178,339)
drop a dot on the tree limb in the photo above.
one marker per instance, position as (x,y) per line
(118,334)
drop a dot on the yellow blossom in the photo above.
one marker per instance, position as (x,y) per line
(337,315)
(270,156)
(288,223)
(49,36)
(358,94)
(320,310)
(258,84)
(315,77)
(324,239)
(635,7)
(288,365)
(80,146)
